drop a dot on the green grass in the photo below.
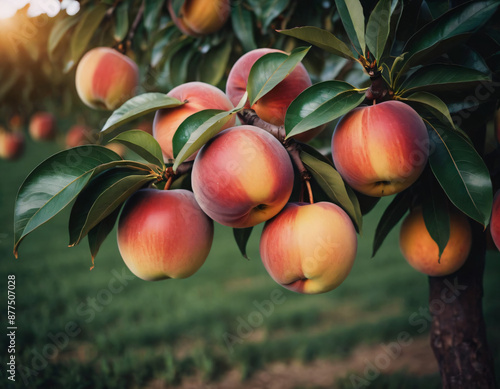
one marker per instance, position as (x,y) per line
(126,333)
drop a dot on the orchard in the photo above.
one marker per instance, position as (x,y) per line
(174,136)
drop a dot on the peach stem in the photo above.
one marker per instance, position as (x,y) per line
(309,191)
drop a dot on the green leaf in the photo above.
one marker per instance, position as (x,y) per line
(214,63)
(448,30)
(424,102)
(143,144)
(353,19)
(269,70)
(136,107)
(436,217)
(440,78)
(102,196)
(320,38)
(377,29)
(319,104)
(59,31)
(242,22)
(197,129)
(53,184)
(267,10)
(391,216)
(461,173)
(177,5)
(121,22)
(100,232)
(152,12)
(332,184)
(177,64)
(241,236)
(85,29)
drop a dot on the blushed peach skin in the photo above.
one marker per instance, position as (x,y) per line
(201,17)
(495,220)
(42,126)
(381,149)
(12,144)
(79,135)
(164,234)
(422,253)
(273,106)
(309,248)
(197,96)
(242,177)
(105,78)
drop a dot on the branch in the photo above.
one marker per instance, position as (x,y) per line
(135,24)
(248,116)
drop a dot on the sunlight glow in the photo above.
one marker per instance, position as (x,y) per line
(51,8)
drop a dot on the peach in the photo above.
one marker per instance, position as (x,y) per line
(309,248)
(163,234)
(146,126)
(105,78)
(200,17)
(495,220)
(380,149)
(118,148)
(243,176)
(12,144)
(42,126)
(198,96)
(273,106)
(422,252)
(79,135)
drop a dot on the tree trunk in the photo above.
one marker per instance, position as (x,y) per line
(458,332)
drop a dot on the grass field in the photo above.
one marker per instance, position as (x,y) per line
(107,329)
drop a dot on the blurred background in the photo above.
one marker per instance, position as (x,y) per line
(229,325)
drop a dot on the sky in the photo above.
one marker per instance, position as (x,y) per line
(8,8)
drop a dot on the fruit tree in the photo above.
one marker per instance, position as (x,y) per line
(299,115)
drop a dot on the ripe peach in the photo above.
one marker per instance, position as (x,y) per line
(42,126)
(118,148)
(309,248)
(163,234)
(273,106)
(79,135)
(12,144)
(146,126)
(105,78)
(380,149)
(200,17)
(422,253)
(242,177)
(198,96)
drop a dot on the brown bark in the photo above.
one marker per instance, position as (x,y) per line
(458,331)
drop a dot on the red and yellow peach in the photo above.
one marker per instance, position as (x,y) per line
(422,252)
(243,176)
(197,96)
(200,17)
(105,78)
(42,126)
(163,234)
(271,107)
(309,248)
(380,149)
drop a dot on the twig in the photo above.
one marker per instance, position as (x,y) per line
(249,116)
(135,24)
